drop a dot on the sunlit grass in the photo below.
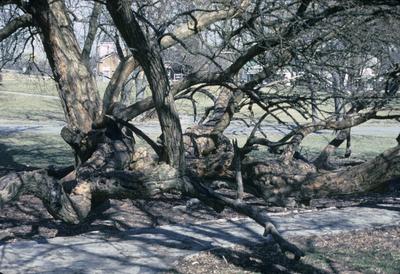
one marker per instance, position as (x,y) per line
(23,109)
(30,108)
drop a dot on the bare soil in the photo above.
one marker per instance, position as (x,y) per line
(368,251)
(28,219)
(372,251)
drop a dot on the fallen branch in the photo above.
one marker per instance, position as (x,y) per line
(253,212)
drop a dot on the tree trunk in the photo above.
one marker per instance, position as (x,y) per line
(140,85)
(276,181)
(149,57)
(76,84)
(322,161)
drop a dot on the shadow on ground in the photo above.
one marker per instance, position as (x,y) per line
(25,150)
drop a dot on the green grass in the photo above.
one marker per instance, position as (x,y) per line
(17,108)
(29,84)
(32,149)
(35,84)
(29,108)
(364,147)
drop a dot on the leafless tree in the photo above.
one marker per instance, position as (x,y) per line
(311,39)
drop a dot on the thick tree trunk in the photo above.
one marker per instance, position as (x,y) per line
(77,88)
(148,56)
(276,181)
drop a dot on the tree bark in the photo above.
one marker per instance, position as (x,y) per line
(275,181)
(322,161)
(148,56)
(76,85)
(91,35)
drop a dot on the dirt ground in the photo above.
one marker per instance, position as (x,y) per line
(375,251)
(28,219)
(369,251)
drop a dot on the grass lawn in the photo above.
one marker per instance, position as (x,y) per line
(39,148)
(21,108)
(35,84)
(33,149)
(45,148)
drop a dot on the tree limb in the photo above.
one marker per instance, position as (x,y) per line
(93,24)
(201,22)
(8,2)
(114,87)
(348,122)
(20,22)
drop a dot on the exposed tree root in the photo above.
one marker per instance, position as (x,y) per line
(116,170)
(261,217)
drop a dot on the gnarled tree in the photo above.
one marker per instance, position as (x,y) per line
(273,36)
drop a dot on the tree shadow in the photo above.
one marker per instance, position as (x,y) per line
(37,152)
(259,258)
(155,250)
(7,162)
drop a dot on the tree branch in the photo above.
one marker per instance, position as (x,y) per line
(114,87)
(93,24)
(8,2)
(348,122)
(15,24)
(201,22)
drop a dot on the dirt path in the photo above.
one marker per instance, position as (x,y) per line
(150,250)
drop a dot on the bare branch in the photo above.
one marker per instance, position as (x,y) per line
(93,24)
(348,122)
(114,87)
(8,2)
(201,22)
(15,24)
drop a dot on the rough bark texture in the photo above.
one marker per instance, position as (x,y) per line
(323,159)
(276,181)
(150,60)
(93,25)
(77,88)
